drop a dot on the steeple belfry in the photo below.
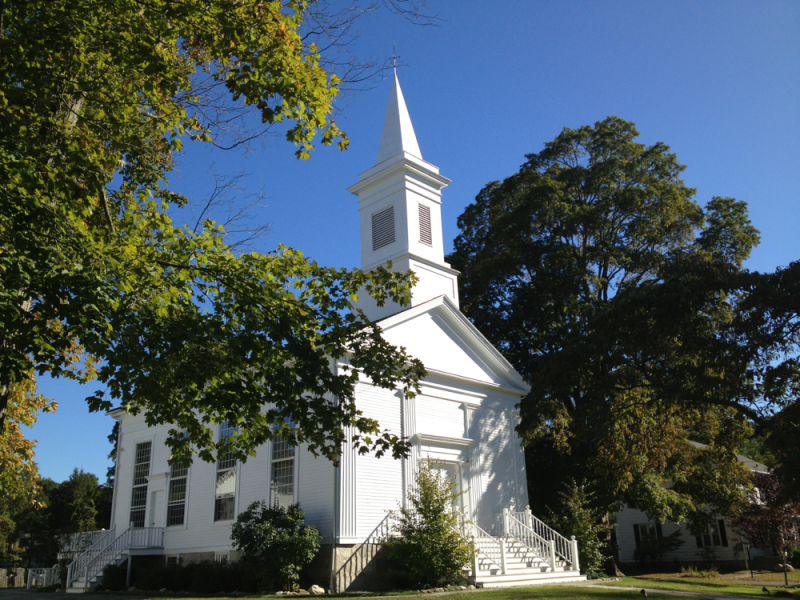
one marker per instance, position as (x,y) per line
(400,202)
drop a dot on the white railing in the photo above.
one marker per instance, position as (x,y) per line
(42,577)
(77,566)
(133,537)
(525,524)
(487,547)
(363,557)
(519,531)
(71,545)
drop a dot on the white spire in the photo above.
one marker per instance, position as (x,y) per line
(398,132)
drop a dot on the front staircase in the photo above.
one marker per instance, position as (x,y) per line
(86,571)
(520,549)
(516,549)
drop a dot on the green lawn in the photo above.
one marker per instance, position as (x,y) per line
(688,584)
(563,592)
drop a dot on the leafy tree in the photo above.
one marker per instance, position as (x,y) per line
(611,291)
(275,541)
(576,515)
(428,544)
(769,520)
(96,99)
(654,547)
(17,467)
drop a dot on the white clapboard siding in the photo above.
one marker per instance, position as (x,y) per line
(316,490)
(493,429)
(379,481)
(688,552)
(440,417)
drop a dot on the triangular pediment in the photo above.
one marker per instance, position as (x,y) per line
(438,334)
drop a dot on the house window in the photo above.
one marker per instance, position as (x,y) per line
(716,536)
(425,236)
(383,228)
(141,470)
(225,493)
(173,561)
(176,501)
(221,558)
(645,531)
(282,477)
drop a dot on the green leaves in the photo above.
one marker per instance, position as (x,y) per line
(274,540)
(184,330)
(617,297)
(428,544)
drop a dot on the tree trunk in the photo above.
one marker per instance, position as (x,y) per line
(5,392)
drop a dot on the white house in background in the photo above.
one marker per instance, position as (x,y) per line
(721,544)
(464,419)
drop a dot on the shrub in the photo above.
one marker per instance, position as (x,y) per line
(275,542)
(429,545)
(201,578)
(114,577)
(576,517)
(654,547)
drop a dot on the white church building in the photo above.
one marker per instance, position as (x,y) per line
(464,419)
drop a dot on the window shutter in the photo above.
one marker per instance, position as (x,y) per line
(383,228)
(636,535)
(658,530)
(723,535)
(425,236)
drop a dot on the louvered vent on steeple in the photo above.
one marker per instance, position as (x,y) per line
(425,225)
(382,228)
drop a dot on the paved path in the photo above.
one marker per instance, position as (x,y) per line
(669,592)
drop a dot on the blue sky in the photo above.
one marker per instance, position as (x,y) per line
(718,81)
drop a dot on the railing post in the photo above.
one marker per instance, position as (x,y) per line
(505,521)
(552,544)
(576,563)
(528,516)
(503,555)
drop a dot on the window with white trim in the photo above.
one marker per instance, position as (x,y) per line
(646,531)
(141,470)
(176,500)
(225,491)
(716,536)
(282,476)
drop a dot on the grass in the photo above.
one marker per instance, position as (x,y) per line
(674,581)
(530,593)
(562,592)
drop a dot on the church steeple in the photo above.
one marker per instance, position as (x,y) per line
(401,221)
(398,132)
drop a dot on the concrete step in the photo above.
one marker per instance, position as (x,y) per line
(524,579)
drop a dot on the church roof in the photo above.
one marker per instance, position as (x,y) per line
(458,347)
(398,132)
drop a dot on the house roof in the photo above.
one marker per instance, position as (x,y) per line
(751,464)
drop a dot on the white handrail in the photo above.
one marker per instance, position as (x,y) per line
(101,553)
(132,537)
(364,553)
(516,529)
(79,564)
(525,524)
(486,545)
